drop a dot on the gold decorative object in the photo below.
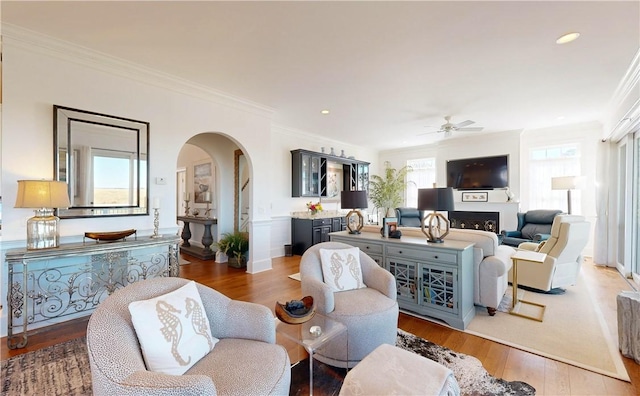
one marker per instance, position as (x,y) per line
(296,311)
(109,236)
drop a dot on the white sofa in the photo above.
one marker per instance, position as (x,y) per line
(491,262)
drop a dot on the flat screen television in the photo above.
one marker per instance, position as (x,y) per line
(483,173)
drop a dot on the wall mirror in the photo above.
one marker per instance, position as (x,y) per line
(242,189)
(104,161)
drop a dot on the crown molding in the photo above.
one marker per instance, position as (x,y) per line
(13,35)
(624,116)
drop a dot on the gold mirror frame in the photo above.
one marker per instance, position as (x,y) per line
(237,188)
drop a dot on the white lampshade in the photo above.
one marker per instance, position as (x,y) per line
(566,182)
(42,194)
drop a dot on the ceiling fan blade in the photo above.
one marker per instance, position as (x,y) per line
(463,124)
(472,129)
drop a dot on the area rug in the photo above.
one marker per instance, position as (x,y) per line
(184,262)
(63,369)
(573,331)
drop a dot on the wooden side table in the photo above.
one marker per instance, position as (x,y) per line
(516,305)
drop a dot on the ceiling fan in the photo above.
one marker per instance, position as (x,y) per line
(448,128)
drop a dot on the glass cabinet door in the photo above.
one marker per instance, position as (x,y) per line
(310,175)
(439,287)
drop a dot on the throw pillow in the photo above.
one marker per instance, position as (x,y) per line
(341,268)
(173,330)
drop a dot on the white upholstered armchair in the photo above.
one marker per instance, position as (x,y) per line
(569,236)
(246,360)
(370,314)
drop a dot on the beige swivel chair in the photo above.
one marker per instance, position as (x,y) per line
(569,236)
(246,360)
(370,314)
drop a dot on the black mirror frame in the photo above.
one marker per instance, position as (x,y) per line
(62,116)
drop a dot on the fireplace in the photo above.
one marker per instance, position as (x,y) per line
(484,221)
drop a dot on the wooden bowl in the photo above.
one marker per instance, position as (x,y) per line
(296,317)
(109,236)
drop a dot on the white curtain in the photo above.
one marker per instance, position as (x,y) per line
(85,175)
(603,181)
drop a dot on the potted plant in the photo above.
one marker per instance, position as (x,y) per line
(386,191)
(235,245)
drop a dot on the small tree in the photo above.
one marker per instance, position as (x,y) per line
(386,192)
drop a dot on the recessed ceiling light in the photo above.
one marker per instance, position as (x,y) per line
(325,112)
(567,38)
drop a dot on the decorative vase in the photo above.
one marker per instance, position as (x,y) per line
(313,212)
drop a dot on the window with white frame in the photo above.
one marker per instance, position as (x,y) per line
(423,175)
(546,163)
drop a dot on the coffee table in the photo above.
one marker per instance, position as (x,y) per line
(301,335)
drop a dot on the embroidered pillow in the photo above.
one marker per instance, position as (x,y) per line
(341,268)
(173,330)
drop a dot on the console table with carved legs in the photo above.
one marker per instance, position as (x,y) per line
(205,252)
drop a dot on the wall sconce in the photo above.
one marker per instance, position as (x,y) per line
(566,183)
(43,196)
(354,200)
(435,226)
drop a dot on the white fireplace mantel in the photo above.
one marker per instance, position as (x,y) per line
(508,211)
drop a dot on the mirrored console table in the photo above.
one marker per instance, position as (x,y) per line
(205,252)
(49,286)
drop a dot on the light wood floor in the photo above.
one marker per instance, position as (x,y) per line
(549,377)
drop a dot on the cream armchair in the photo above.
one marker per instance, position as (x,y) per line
(569,236)
(246,360)
(370,314)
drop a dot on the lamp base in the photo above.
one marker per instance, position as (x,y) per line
(354,221)
(42,230)
(435,227)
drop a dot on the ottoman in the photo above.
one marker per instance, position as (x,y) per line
(389,370)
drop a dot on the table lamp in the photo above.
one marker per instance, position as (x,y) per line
(566,183)
(354,200)
(434,225)
(43,196)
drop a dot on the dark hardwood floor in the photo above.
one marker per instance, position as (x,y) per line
(549,377)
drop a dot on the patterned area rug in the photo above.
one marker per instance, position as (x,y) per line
(471,376)
(63,369)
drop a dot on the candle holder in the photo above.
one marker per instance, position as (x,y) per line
(186,207)
(156,223)
(207,210)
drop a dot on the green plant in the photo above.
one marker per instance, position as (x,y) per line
(234,244)
(386,191)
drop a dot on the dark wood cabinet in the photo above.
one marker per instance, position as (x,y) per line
(308,232)
(310,174)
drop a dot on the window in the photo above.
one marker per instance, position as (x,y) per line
(115,177)
(548,162)
(423,175)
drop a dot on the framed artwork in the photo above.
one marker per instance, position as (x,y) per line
(334,181)
(469,196)
(203,182)
(389,224)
